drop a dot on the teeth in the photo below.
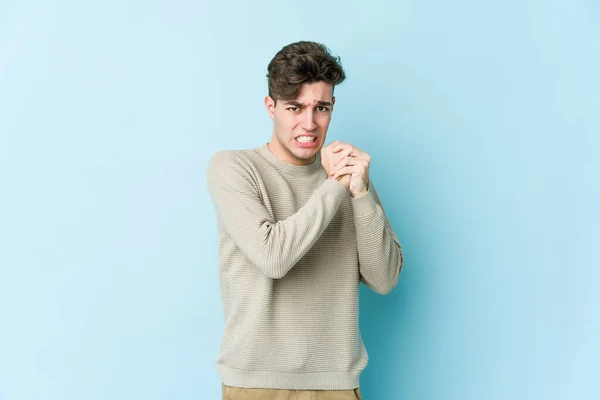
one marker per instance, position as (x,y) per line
(306,139)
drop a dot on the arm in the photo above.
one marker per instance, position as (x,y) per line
(273,247)
(379,251)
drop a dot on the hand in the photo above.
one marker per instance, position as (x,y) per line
(327,157)
(350,160)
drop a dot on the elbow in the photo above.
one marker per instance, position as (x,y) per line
(386,291)
(272,268)
(274,273)
(387,288)
(268,257)
(389,284)
(381,287)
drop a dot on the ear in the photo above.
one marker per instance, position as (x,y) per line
(332,102)
(270,105)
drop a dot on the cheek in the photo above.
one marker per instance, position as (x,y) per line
(292,123)
(324,120)
(285,124)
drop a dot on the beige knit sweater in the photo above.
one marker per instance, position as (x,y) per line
(293,247)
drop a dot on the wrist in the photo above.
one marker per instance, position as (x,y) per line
(359,195)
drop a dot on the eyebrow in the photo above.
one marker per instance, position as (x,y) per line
(319,103)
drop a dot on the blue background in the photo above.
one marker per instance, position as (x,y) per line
(482,120)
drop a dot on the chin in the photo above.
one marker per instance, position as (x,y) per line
(308,153)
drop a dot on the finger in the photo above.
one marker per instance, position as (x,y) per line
(334,143)
(341,164)
(339,147)
(358,153)
(363,163)
(348,162)
(351,169)
(341,155)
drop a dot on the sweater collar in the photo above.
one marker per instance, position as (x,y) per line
(282,165)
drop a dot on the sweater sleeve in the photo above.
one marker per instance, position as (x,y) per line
(274,247)
(379,251)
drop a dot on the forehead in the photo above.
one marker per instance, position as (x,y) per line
(311,93)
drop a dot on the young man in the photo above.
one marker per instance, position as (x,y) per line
(300,226)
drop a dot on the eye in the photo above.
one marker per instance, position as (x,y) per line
(322,109)
(293,109)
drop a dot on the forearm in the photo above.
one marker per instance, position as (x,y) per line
(274,247)
(379,251)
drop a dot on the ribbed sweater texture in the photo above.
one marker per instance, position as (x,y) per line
(294,246)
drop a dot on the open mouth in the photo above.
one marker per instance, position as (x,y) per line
(306,141)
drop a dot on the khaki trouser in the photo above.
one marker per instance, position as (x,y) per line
(236,393)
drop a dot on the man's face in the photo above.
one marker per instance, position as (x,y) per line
(300,125)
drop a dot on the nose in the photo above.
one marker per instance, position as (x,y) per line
(308,122)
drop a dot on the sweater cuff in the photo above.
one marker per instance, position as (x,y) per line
(335,187)
(364,205)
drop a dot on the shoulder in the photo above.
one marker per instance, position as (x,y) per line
(232,158)
(227,164)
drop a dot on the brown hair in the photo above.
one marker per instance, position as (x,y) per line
(302,62)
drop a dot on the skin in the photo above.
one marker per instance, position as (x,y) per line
(309,114)
(349,160)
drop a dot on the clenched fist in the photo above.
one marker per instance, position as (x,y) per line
(327,157)
(342,160)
